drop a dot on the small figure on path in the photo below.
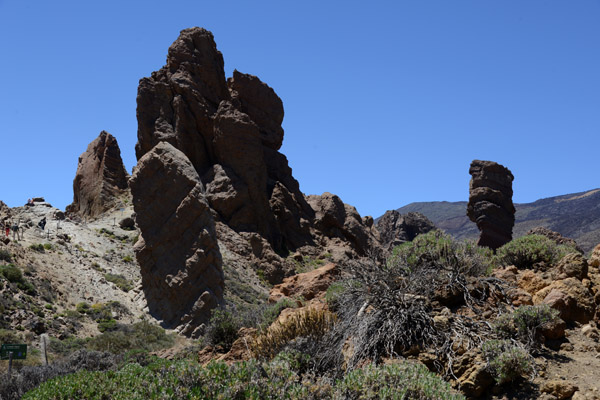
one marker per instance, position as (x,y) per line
(7,227)
(15,229)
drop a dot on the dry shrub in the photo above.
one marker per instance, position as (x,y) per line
(308,323)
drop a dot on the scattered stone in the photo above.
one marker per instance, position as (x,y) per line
(490,202)
(127,223)
(561,389)
(572,265)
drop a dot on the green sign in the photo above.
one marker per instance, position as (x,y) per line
(19,351)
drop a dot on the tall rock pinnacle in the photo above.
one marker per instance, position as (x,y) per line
(490,202)
(101,177)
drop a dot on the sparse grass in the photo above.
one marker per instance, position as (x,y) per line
(127,258)
(120,281)
(524,323)
(37,247)
(13,274)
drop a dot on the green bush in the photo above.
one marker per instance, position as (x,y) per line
(139,336)
(48,246)
(526,251)
(13,274)
(506,361)
(333,293)
(525,322)
(439,250)
(396,381)
(271,313)
(223,329)
(120,281)
(5,255)
(277,379)
(37,247)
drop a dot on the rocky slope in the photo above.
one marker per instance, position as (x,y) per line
(575,216)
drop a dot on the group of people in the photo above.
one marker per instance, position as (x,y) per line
(6,226)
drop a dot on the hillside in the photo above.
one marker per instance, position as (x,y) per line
(575,215)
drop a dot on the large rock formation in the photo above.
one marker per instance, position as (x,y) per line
(490,202)
(395,228)
(178,253)
(100,179)
(230,133)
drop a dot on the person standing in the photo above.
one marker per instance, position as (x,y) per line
(7,227)
(15,229)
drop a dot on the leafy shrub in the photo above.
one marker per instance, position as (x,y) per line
(83,307)
(311,322)
(141,336)
(37,247)
(222,330)
(28,378)
(525,322)
(334,291)
(5,255)
(245,380)
(48,246)
(7,336)
(506,361)
(120,281)
(128,259)
(440,250)
(526,251)
(13,274)
(396,381)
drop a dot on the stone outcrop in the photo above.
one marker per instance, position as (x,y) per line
(181,265)
(100,179)
(230,131)
(490,202)
(395,228)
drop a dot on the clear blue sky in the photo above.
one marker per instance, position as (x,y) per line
(386,102)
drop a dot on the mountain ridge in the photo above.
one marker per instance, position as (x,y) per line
(573,215)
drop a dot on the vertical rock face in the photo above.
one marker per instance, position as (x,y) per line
(178,253)
(490,202)
(100,178)
(395,228)
(228,132)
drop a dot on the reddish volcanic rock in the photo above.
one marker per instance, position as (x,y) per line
(100,178)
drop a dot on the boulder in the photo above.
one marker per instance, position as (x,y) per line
(395,228)
(490,202)
(100,179)
(562,390)
(178,253)
(570,297)
(572,265)
(595,257)
(308,285)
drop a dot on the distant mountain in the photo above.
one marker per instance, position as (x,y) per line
(575,215)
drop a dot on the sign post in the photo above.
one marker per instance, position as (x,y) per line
(12,352)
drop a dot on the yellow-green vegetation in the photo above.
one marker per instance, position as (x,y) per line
(527,251)
(308,323)
(120,281)
(127,258)
(276,379)
(37,247)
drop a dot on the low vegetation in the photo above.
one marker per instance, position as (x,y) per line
(531,250)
